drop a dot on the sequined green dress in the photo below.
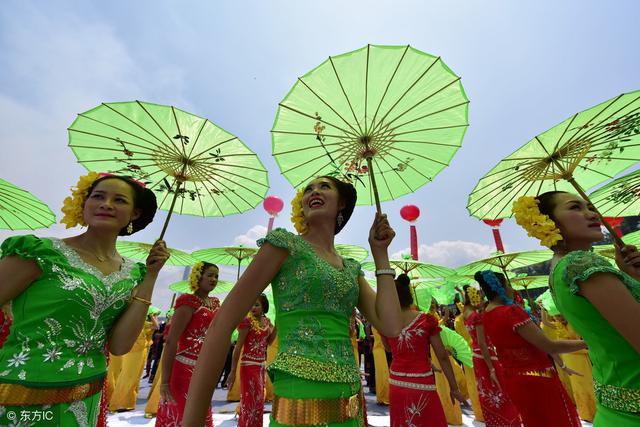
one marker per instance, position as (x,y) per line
(616,365)
(59,332)
(314,301)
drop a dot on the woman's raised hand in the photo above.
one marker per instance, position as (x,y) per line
(381,233)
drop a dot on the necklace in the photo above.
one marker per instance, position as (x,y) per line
(98,257)
(205,301)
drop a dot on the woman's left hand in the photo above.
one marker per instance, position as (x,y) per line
(158,255)
(456,395)
(628,260)
(381,234)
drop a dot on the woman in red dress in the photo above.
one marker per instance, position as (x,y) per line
(528,374)
(497,408)
(413,399)
(192,315)
(255,333)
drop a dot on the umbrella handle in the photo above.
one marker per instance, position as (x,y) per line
(609,228)
(374,186)
(173,204)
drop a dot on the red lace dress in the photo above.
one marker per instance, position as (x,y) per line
(413,399)
(189,346)
(252,374)
(529,376)
(496,406)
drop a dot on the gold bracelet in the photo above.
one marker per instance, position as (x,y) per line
(142,300)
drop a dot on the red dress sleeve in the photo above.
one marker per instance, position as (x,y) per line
(431,325)
(517,317)
(188,299)
(245,324)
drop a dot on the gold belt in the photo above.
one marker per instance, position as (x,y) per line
(17,394)
(547,373)
(308,412)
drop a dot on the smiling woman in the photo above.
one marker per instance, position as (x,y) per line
(601,302)
(70,298)
(315,291)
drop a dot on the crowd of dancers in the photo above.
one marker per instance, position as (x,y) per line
(81,326)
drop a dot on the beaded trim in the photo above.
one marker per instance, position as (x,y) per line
(415,386)
(524,322)
(187,361)
(250,363)
(411,374)
(76,261)
(618,398)
(315,370)
(547,373)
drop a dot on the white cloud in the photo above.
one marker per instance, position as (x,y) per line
(249,238)
(450,253)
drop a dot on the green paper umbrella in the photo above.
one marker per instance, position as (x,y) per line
(140,251)
(390,109)
(352,251)
(153,310)
(621,197)
(457,345)
(505,262)
(583,151)
(182,287)
(443,291)
(229,255)
(415,269)
(529,282)
(194,166)
(20,210)
(547,302)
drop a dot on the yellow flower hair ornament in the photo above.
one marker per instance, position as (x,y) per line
(537,224)
(73,207)
(474,296)
(297,214)
(194,276)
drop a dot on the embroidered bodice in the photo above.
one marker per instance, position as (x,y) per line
(191,339)
(314,301)
(62,320)
(616,364)
(516,354)
(255,344)
(411,348)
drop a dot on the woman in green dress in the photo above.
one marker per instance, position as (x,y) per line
(316,380)
(69,299)
(601,302)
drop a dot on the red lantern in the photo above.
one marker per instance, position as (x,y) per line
(411,213)
(615,223)
(495,225)
(273,205)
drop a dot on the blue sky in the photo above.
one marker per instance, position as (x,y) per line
(525,65)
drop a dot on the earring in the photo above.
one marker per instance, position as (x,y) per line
(130,228)
(340,219)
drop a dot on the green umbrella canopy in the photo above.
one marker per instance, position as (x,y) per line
(505,262)
(546,301)
(153,310)
(415,269)
(621,197)
(229,255)
(20,210)
(581,152)
(457,345)
(529,282)
(403,109)
(140,251)
(352,251)
(194,166)
(182,287)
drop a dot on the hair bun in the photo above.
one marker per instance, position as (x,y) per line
(403,279)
